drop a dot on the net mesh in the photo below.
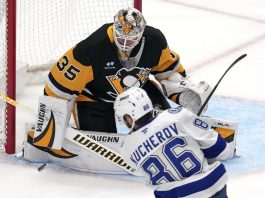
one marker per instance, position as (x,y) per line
(3,61)
(46,29)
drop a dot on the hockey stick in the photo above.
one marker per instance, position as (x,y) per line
(215,87)
(83,141)
(15,103)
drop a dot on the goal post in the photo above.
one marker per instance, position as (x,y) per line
(8,73)
(38,32)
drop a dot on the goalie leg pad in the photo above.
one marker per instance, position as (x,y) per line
(52,120)
(72,155)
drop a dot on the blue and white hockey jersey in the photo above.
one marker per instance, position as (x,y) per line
(174,150)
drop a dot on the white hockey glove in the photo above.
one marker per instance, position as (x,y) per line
(52,120)
(189,95)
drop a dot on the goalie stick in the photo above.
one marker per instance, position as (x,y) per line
(90,145)
(215,87)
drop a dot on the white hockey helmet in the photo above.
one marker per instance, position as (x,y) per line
(128,28)
(133,102)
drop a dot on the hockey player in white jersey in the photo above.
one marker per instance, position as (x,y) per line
(177,151)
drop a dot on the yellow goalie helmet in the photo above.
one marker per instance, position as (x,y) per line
(129,25)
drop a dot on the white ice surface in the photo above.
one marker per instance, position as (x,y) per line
(209,36)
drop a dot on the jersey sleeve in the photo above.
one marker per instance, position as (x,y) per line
(169,62)
(211,143)
(68,77)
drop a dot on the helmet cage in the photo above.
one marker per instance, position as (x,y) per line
(128,41)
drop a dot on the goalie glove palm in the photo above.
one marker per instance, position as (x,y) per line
(186,93)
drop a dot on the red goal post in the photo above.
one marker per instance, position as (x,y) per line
(37,32)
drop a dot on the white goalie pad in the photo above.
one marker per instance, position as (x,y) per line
(52,120)
(191,96)
(73,156)
(228,131)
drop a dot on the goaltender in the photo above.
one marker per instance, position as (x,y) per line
(115,57)
(86,80)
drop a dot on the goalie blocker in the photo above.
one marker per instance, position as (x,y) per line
(59,150)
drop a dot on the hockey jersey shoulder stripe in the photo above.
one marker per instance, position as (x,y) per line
(164,75)
(167,72)
(215,149)
(169,60)
(110,33)
(59,90)
(181,70)
(49,92)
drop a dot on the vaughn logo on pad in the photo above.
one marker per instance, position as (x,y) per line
(41,117)
(45,128)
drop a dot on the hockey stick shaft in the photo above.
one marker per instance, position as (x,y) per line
(15,103)
(83,141)
(215,87)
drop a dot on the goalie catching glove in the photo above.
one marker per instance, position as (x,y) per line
(185,93)
(52,120)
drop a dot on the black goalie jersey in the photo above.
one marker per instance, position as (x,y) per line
(92,74)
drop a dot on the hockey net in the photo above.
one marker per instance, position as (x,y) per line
(45,29)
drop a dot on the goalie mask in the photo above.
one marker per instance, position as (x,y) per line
(134,103)
(128,28)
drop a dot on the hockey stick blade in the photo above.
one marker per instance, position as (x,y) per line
(215,87)
(42,167)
